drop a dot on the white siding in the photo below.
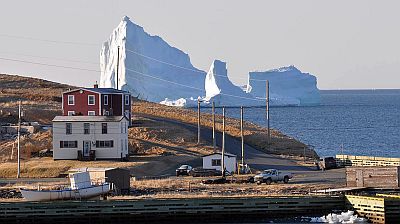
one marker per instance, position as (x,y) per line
(230,162)
(113,133)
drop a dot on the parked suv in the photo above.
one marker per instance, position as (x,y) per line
(184,170)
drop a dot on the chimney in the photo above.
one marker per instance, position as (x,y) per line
(96,85)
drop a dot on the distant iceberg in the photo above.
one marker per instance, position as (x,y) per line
(153,70)
(221,91)
(287,85)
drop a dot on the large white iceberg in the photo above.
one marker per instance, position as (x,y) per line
(223,92)
(153,70)
(287,86)
(149,67)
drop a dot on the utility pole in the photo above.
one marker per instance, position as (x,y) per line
(343,161)
(267,111)
(223,144)
(241,133)
(213,128)
(198,121)
(18,139)
(117,87)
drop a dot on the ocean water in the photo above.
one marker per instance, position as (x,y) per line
(365,122)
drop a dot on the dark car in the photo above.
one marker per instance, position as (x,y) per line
(184,170)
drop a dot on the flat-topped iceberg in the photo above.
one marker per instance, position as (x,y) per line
(287,86)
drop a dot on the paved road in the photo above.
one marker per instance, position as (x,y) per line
(260,160)
(256,159)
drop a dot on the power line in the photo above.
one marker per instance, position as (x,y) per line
(49,65)
(49,41)
(191,87)
(185,68)
(59,59)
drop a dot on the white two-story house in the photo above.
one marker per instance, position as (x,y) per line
(90,137)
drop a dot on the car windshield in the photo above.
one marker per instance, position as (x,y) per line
(183,167)
(267,172)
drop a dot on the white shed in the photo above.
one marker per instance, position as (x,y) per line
(213,161)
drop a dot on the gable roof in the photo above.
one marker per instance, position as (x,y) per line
(226,154)
(88,118)
(101,90)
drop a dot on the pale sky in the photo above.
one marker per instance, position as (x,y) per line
(345,44)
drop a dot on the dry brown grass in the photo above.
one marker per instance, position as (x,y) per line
(254,134)
(189,187)
(47,167)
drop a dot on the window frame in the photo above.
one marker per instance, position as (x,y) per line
(217,162)
(94,113)
(127,100)
(86,128)
(105,102)
(68,144)
(104,144)
(104,128)
(94,100)
(68,128)
(71,113)
(73,100)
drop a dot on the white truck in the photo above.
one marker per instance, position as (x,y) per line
(272,175)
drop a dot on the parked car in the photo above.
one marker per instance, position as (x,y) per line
(327,163)
(184,170)
(272,175)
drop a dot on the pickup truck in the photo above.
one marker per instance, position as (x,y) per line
(272,175)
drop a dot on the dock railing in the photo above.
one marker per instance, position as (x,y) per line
(349,160)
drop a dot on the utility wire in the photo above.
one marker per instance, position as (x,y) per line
(49,65)
(50,41)
(59,59)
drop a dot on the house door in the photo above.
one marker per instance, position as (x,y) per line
(86,148)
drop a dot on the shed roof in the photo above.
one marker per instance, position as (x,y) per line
(226,154)
(88,118)
(94,169)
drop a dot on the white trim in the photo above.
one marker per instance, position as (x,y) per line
(94,100)
(73,100)
(91,111)
(71,113)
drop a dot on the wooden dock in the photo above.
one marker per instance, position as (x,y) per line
(194,209)
(382,208)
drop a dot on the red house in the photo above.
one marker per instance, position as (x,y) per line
(97,102)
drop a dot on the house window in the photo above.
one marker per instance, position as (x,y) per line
(91,113)
(86,128)
(104,128)
(107,113)
(71,113)
(216,162)
(105,100)
(105,144)
(71,100)
(91,100)
(68,144)
(127,100)
(68,128)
